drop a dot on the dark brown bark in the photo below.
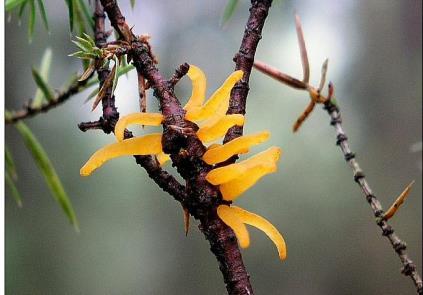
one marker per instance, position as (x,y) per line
(110,116)
(224,246)
(110,113)
(244,60)
(186,149)
(179,139)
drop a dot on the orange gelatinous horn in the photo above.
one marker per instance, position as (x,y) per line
(231,219)
(263,225)
(237,146)
(218,129)
(150,144)
(218,97)
(149,119)
(199,83)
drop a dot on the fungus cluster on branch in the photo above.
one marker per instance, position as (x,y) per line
(233,179)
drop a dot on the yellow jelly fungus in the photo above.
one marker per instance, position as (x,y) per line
(233,189)
(149,119)
(199,83)
(209,133)
(150,144)
(265,159)
(225,174)
(162,158)
(198,113)
(263,225)
(214,145)
(220,112)
(239,145)
(232,220)
(223,107)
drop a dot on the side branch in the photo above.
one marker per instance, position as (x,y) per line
(399,246)
(60,98)
(408,267)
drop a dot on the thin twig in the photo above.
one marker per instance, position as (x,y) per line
(408,267)
(60,98)
(303,50)
(179,73)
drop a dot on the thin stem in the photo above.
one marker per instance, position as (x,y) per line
(179,73)
(60,98)
(408,267)
(399,246)
(279,76)
(303,49)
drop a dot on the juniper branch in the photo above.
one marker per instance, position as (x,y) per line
(28,111)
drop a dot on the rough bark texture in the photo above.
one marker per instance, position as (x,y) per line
(244,60)
(186,150)
(179,138)
(224,246)
(110,116)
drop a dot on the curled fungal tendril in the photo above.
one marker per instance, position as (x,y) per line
(234,179)
(236,217)
(150,144)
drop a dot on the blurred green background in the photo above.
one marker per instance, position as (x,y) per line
(132,240)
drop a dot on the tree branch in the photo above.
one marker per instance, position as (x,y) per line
(399,246)
(60,98)
(244,60)
(186,149)
(110,117)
